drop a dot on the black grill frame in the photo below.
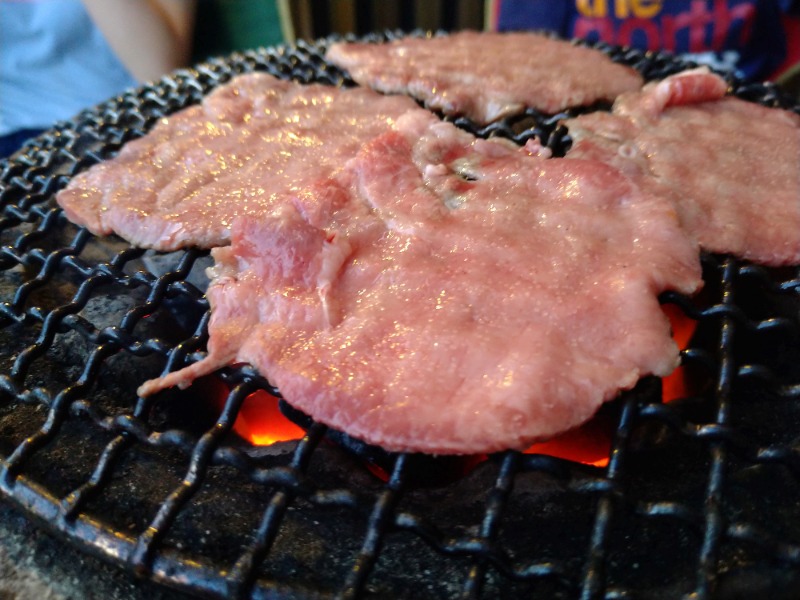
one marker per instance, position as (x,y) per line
(732,547)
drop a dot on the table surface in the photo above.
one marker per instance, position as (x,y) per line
(37,566)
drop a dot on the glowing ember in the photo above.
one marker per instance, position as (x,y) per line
(589,444)
(676,386)
(261,421)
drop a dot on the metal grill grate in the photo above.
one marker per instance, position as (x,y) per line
(699,497)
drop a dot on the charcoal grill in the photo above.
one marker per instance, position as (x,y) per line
(699,498)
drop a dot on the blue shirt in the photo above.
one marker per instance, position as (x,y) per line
(744,36)
(54,63)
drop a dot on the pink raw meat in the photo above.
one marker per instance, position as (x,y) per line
(731,167)
(486,76)
(445,294)
(250,140)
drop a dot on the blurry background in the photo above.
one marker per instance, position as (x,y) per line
(363,16)
(224,26)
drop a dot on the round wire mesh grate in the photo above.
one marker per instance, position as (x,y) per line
(699,496)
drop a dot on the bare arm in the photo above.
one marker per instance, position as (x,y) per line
(150,37)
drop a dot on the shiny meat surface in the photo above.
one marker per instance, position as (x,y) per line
(445,294)
(731,167)
(486,76)
(250,140)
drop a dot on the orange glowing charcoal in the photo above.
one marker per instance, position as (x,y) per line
(262,423)
(377,471)
(675,386)
(682,326)
(260,420)
(589,444)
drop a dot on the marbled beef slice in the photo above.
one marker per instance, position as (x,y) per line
(486,76)
(445,294)
(185,182)
(730,167)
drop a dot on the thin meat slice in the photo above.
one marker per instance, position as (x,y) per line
(486,76)
(250,140)
(445,294)
(730,167)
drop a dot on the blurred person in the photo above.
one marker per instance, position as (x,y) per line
(58,57)
(755,39)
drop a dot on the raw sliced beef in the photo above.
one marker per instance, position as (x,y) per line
(731,167)
(248,142)
(446,294)
(486,76)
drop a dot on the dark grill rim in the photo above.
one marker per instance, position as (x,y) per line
(30,177)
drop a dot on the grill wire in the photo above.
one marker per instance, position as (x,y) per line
(699,497)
